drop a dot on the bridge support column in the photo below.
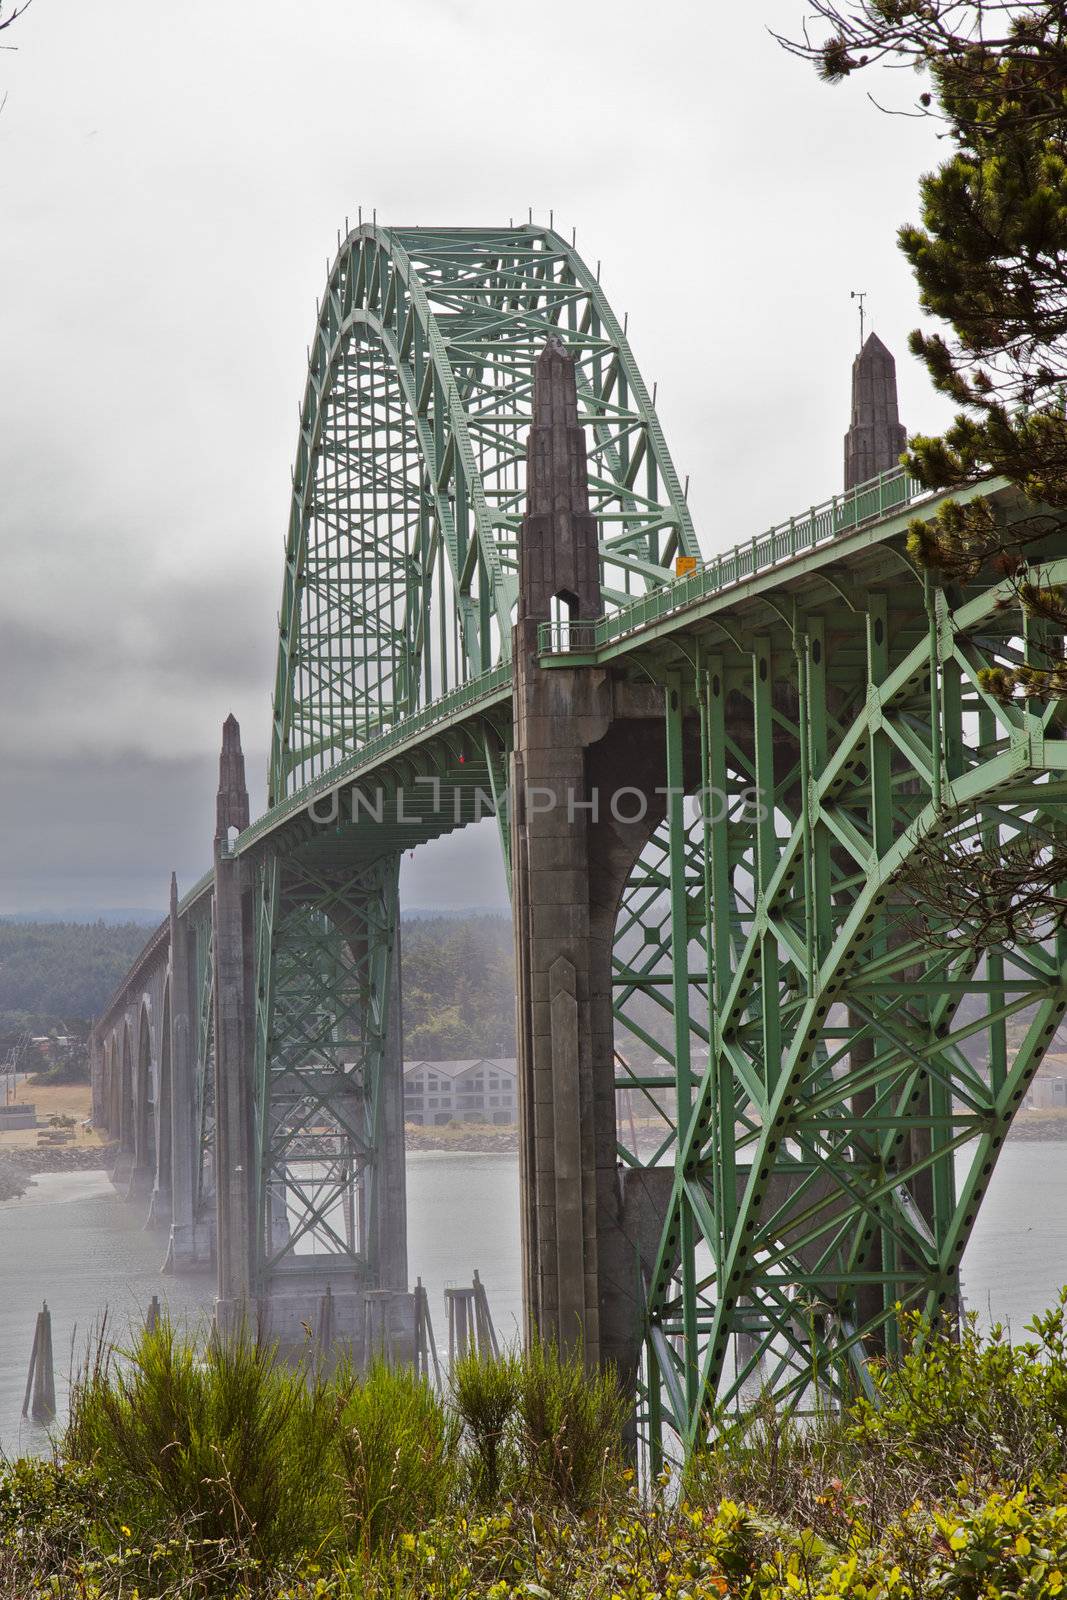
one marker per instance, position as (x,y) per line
(188,1246)
(587,1234)
(123,1114)
(234,1146)
(391,1213)
(98,1110)
(330,1188)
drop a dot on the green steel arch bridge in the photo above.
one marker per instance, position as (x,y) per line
(761,1098)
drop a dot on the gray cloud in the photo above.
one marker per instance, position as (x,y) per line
(172,180)
(84,833)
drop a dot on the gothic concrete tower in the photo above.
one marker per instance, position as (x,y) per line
(874,441)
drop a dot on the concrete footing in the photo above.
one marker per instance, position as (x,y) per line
(366,1325)
(120,1172)
(139,1183)
(190,1248)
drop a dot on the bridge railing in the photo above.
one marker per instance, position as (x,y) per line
(443,709)
(838,515)
(842,513)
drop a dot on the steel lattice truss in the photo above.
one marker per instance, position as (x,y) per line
(400,570)
(326,957)
(825,1078)
(844,1060)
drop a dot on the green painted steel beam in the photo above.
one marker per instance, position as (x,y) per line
(827,1083)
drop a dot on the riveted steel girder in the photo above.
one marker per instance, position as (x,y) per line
(860,1056)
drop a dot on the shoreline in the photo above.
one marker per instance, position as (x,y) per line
(1038,1127)
(19,1165)
(1031,1126)
(475,1137)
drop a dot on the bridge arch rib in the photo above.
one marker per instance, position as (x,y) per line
(400,568)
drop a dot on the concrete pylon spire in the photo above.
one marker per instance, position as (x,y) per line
(174,894)
(558,552)
(876,437)
(231,810)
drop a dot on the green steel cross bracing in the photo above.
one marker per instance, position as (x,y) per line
(861,1058)
(822,1072)
(326,943)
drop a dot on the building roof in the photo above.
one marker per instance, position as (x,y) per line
(456,1069)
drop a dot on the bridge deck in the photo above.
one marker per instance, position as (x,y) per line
(835,530)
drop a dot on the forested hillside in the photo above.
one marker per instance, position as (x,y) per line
(54,973)
(459,980)
(459,987)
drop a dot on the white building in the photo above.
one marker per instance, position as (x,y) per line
(482,1089)
(1047,1092)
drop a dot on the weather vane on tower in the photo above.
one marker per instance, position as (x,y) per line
(860,295)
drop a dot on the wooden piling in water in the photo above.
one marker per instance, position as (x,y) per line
(326,1324)
(425,1346)
(487,1340)
(461,1325)
(470,1326)
(40,1397)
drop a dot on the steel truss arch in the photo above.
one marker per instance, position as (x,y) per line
(419,385)
(802,1075)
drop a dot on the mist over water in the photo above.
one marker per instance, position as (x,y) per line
(72,1241)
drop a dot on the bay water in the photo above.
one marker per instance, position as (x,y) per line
(72,1241)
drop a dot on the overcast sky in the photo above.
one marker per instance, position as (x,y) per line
(172,178)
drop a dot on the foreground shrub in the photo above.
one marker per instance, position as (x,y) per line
(537,1426)
(569,1425)
(230,1476)
(974,1410)
(46,1509)
(485,1393)
(978,1407)
(397,1455)
(227,1445)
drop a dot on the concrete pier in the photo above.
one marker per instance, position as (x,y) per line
(579,737)
(234,1145)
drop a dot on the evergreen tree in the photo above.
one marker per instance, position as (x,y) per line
(989,256)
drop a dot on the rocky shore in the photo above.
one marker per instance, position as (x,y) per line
(1041,1127)
(480,1137)
(1035,1126)
(18,1165)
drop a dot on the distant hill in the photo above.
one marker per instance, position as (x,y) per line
(112,916)
(60,972)
(459,987)
(458,977)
